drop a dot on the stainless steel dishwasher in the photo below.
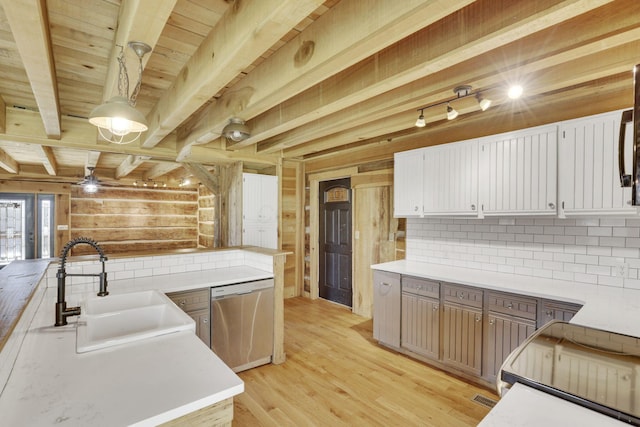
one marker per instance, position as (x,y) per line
(242,323)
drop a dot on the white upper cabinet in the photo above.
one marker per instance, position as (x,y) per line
(589,177)
(518,172)
(408,183)
(260,210)
(451,179)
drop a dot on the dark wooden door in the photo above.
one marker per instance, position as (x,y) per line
(335,241)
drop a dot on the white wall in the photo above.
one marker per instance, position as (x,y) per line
(581,250)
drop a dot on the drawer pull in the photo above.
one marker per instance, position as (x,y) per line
(461,295)
(478,318)
(435,308)
(205,320)
(183,302)
(491,322)
(510,306)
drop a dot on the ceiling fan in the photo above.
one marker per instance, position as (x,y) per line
(90,182)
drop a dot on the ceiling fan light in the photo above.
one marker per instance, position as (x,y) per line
(90,187)
(236,130)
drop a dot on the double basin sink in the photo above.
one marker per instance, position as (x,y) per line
(125,318)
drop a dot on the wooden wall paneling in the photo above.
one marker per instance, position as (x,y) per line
(206,217)
(231,204)
(134,219)
(291,183)
(372,214)
(62,221)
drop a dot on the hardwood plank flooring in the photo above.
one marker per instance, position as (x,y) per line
(337,375)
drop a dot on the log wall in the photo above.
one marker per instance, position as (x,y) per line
(206,218)
(125,219)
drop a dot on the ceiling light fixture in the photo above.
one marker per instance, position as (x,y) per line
(117,119)
(90,182)
(451,112)
(149,183)
(421,122)
(461,91)
(515,92)
(236,130)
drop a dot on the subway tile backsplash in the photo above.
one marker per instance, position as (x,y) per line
(130,268)
(600,251)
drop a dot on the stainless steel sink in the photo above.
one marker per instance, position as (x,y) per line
(125,318)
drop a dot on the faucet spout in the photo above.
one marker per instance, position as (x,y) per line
(62,311)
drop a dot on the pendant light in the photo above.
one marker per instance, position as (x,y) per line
(117,119)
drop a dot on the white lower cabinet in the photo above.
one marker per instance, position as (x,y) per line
(589,175)
(386,308)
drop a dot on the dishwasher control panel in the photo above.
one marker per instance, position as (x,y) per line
(241,288)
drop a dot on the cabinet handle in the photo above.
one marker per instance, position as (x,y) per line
(415,209)
(478,318)
(435,308)
(183,302)
(205,320)
(549,313)
(510,306)
(461,295)
(491,322)
(552,205)
(473,207)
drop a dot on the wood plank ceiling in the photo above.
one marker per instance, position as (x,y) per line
(330,83)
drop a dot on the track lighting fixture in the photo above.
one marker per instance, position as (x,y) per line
(149,183)
(451,113)
(461,91)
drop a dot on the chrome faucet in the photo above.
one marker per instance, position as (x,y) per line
(62,312)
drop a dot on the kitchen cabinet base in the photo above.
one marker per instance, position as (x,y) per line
(217,415)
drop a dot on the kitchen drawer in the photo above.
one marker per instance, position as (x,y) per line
(463,295)
(188,301)
(418,286)
(513,305)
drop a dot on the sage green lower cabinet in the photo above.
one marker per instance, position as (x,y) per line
(462,328)
(386,308)
(511,319)
(420,325)
(196,303)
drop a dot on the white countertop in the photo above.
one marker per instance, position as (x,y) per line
(142,383)
(608,308)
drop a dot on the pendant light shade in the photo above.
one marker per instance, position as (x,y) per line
(236,130)
(116,119)
(451,113)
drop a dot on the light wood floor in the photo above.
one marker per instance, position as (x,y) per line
(336,375)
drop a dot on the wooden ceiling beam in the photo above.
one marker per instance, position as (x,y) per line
(8,163)
(30,28)
(479,28)
(601,37)
(579,71)
(139,20)
(245,32)
(3,116)
(48,159)
(203,175)
(335,41)
(91,161)
(160,169)
(129,164)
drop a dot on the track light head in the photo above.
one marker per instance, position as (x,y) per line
(451,112)
(484,103)
(421,122)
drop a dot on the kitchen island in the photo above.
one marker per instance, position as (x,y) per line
(148,382)
(603,307)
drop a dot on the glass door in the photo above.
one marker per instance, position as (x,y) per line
(26,226)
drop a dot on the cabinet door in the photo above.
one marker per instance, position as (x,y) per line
(203,328)
(386,308)
(518,172)
(589,177)
(462,338)
(408,183)
(556,310)
(421,325)
(504,334)
(451,179)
